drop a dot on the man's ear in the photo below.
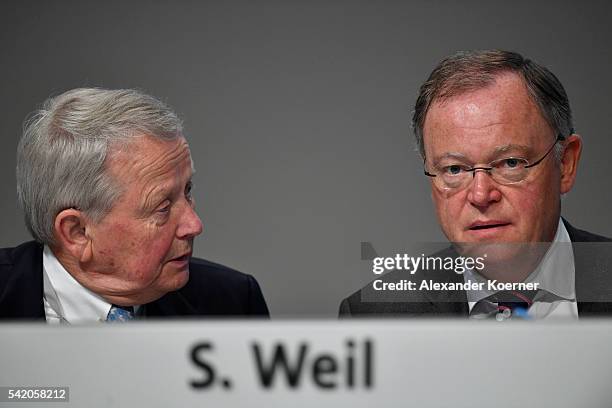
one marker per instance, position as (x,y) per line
(569,162)
(71,232)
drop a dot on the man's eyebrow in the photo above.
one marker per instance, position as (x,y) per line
(159,193)
(496,152)
(511,147)
(450,155)
(154,196)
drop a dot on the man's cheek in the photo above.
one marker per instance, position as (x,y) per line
(160,250)
(146,258)
(448,209)
(146,271)
(529,203)
(441,205)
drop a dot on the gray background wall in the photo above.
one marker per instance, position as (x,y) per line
(298,114)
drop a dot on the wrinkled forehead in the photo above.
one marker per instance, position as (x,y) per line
(146,157)
(502,113)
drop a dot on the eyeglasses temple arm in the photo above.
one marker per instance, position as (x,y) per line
(559,138)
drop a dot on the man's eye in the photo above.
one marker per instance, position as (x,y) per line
(164,210)
(453,169)
(512,163)
(188,189)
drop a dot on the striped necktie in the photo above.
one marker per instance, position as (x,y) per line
(505,305)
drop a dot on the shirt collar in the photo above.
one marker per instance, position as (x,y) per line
(555,273)
(72,302)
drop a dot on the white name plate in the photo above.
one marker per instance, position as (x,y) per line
(385,363)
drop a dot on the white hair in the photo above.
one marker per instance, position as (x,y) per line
(62,155)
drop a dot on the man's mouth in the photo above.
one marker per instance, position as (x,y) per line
(484,225)
(182,258)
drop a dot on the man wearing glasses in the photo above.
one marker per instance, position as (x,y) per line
(496,136)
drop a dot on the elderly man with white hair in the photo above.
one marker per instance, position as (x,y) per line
(104,179)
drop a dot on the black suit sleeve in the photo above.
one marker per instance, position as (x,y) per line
(257,303)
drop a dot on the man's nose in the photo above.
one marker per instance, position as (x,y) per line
(190,224)
(483,190)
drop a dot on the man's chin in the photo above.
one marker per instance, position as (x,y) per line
(180,279)
(172,279)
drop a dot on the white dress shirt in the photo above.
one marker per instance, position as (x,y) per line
(65,299)
(556,274)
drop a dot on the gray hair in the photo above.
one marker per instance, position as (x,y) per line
(471,70)
(62,155)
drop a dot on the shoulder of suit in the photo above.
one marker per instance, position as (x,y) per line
(585,236)
(13,255)
(204,272)
(20,262)
(217,289)
(365,300)
(578,235)
(21,282)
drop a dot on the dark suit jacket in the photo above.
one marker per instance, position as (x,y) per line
(593,265)
(212,289)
